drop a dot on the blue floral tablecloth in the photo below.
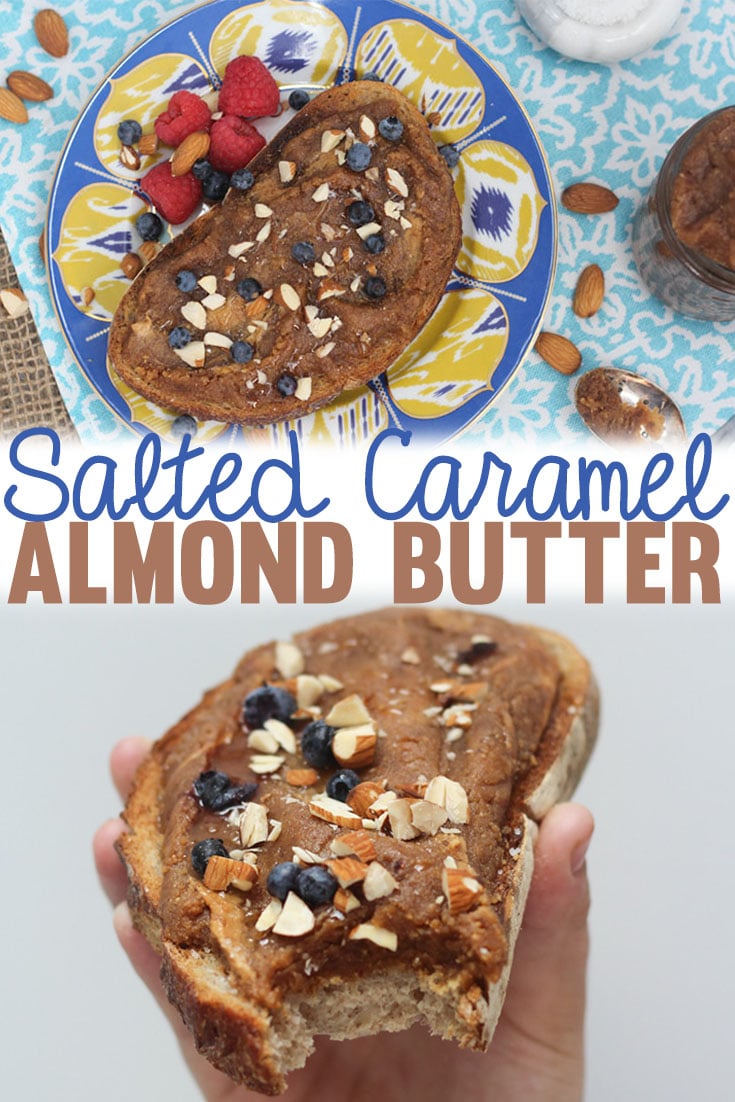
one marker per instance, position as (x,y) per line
(613,125)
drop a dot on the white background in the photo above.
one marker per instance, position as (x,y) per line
(78,1024)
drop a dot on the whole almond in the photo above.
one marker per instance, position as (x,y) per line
(559,352)
(14,301)
(589,199)
(29,86)
(589,293)
(51,32)
(131,265)
(191,149)
(12,107)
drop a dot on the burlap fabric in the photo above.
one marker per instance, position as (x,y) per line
(28,391)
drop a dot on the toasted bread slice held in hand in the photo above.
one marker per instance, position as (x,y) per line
(315,278)
(400,883)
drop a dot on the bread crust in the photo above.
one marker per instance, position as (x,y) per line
(244,1018)
(422,230)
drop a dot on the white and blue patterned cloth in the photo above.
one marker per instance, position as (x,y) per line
(613,125)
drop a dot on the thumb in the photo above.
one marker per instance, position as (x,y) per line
(545,1005)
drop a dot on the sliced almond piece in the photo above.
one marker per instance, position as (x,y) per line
(221,872)
(345,901)
(348,870)
(264,233)
(275,831)
(148,144)
(320,271)
(286,171)
(367,129)
(217,340)
(301,778)
(331,139)
(450,795)
(309,689)
(295,919)
(331,684)
(193,354)
(354,842)
(382,803)
(262,741)
(195,314)
(363,796)
(333,811)
(349,712)
(264,764)
(326,350)
(303,388)
(253,825)
(14,302)
(305,856)
(461,889)
(368,230)
(241,247)
(368,931)
(321,194)
(396,182)
(399,817)
(288,660)
(378,882)
(288,296)
(213,302)
(262,210)
(410,657)
(427,816)
(208,284)
(319,327)
(267,918)
(329,288)
(129,157)
(354,747)
(282,733)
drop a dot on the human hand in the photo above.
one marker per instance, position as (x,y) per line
(537,1053)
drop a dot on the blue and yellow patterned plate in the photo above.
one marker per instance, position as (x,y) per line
(493,305)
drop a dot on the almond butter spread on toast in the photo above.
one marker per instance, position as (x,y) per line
(349,818)
(310,281)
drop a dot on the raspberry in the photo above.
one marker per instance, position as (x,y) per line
(233,142)
(174,197)
(249,90)
(185,114)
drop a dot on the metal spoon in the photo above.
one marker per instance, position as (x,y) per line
(622,408)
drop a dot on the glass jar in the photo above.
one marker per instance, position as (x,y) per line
(676,272)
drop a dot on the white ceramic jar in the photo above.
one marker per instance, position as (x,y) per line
(600,30)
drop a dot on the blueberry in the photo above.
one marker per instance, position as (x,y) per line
(179,337)
(249,289)
(372,75)
(391,128)
(242,352)
(202,851)
(303,252)
(298,99)
(360,213)
(186,280)
(242,179)
(149,226)
(129,132)
(341,784)
(316,745)
(316,885)
(215,185)
(201,169)
(216,792)
(268,702)
(286,385)
(210,784)
(359,157)
(282,879)
(375,287)
(375,243)
(183,426)
(450,153)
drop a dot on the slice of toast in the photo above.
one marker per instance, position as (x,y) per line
(480,727)
(315,327)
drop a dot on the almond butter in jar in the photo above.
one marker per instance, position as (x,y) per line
(684,232)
